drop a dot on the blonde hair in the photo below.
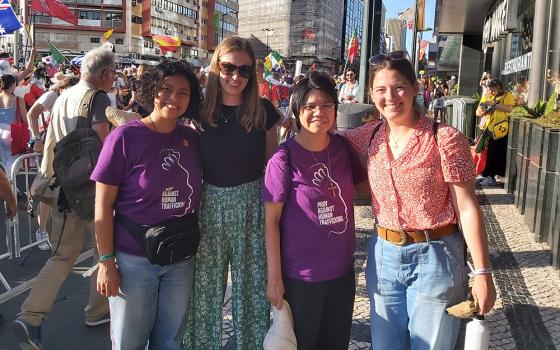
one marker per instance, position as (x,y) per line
(252,113)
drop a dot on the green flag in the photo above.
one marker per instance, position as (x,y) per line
(56,55)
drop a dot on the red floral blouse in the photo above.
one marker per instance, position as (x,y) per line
(411,192)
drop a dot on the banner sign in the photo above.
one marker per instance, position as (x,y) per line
(517,64)
(501,19)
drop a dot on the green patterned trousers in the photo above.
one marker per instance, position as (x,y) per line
(232,233)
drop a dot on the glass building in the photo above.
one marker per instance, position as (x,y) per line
(353,20)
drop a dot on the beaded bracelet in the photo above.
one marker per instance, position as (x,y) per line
(106,257)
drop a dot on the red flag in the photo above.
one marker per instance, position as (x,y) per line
(308,34)
(54,8)
(423,46)
(354,47)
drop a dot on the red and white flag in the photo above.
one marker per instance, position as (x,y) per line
(54,8)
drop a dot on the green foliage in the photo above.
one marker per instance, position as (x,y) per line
(537,110)
(519,110)
(551,104)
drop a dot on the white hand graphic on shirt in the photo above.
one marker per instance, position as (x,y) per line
(323,180)
(171,162)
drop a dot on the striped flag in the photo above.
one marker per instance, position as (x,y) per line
(167,43)
(354,47)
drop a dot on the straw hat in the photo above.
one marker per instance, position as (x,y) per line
(118,117)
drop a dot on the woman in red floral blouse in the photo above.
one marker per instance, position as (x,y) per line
(422,182)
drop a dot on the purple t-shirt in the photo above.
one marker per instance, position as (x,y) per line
(159,176)
(317,232)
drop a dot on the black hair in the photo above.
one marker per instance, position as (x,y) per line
(6,81)
(493,83)
(151,83)
(350,69)
(314,81)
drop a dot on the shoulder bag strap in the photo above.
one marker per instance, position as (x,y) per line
(373,133)
(86,104)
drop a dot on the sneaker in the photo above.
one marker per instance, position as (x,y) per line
(28,337)
(488,181)
(479,178)
(105,319)
(44,237)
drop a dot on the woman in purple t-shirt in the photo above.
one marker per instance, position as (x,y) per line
(309,221)
(148,172)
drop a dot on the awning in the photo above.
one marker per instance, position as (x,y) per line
(461,16)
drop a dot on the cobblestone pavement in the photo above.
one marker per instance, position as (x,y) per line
(527,311)
(526,315)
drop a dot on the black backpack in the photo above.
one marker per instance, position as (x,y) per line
(75,157)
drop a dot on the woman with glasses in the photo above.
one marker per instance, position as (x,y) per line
(349,91)
(309,221)
(238,136)
(421,176)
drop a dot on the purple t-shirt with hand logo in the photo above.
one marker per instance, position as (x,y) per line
(317,232)
(159,176)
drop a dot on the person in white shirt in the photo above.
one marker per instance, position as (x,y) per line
(349,91)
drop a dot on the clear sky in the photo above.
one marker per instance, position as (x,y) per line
(395,6)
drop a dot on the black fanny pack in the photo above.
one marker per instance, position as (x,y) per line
(167,242)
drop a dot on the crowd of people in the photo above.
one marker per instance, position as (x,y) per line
(195,184)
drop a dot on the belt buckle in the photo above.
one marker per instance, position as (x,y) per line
(404,238)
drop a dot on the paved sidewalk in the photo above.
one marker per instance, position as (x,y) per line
(526,316)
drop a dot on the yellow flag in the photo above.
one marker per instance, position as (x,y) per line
(420,14)
(107,35)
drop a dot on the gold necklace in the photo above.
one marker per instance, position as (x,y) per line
(229,116)
(396,142)
(331,187)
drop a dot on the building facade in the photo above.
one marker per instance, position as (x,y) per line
(306,30)
(199,24)
(395,30)
(353,21)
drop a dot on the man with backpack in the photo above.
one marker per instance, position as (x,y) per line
(77,129)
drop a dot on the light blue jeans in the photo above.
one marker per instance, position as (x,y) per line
(152,306)
(409,289)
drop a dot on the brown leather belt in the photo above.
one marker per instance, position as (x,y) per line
(401,238)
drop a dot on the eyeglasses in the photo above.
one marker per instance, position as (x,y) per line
(391,56)
(245,71)
(313,108)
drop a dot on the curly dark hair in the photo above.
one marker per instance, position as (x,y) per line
(151,82)
(314,81)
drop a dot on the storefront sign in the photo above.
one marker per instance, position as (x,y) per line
(517,64)
(502,18)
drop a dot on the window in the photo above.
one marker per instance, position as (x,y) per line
(136,19)
(119,41)
(94,40)
(89,15)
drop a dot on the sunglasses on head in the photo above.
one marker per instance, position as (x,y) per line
(391,56)
(244,71)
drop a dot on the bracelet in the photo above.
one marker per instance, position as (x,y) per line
(481,271)
(106,257)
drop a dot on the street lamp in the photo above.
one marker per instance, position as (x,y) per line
(223,15)
(267,32)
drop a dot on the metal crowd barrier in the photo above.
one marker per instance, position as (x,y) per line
(23,165)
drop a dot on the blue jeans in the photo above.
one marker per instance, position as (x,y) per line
(152,306)
(409,289)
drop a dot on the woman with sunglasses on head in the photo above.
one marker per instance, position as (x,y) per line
(238,136)
(310,236)
(421,176)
